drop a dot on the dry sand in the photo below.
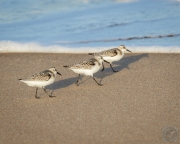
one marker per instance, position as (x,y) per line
(132,107)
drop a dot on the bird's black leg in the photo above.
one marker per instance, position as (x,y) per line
(106,61)
(47,93)
(103,66)
(77,82)
(36,94)
(111,66)
(96,81)
(113,69)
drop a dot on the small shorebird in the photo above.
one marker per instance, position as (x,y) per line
(112,55)
(41,80)
(87,68)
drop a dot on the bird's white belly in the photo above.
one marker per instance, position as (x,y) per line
(88,72)
(112,59)
(39,84)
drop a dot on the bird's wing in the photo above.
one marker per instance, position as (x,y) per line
(111,52)
(84,64)
(44,75)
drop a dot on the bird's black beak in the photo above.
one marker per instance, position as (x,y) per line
(129,50)
(58,73)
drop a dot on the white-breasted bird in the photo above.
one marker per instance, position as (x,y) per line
(112,55)
(41,80)
(87,68)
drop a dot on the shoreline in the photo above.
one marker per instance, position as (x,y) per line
(134,105)
(32,47)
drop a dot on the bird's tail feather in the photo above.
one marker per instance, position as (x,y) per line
(66,66)
(91,53)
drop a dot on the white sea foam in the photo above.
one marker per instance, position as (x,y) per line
(14,47)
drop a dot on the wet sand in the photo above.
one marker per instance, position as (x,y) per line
(133,106)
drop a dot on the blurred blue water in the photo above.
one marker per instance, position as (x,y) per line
(91,23)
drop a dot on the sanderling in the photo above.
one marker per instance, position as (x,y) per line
(41,80)
(112,55)
(87,68)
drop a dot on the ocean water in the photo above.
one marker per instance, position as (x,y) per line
(80,26)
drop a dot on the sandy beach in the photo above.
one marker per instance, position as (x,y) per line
(134,106)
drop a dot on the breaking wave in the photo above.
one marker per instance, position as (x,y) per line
(15,47)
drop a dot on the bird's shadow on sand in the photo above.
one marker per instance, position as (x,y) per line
(123,63)
(118,66)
